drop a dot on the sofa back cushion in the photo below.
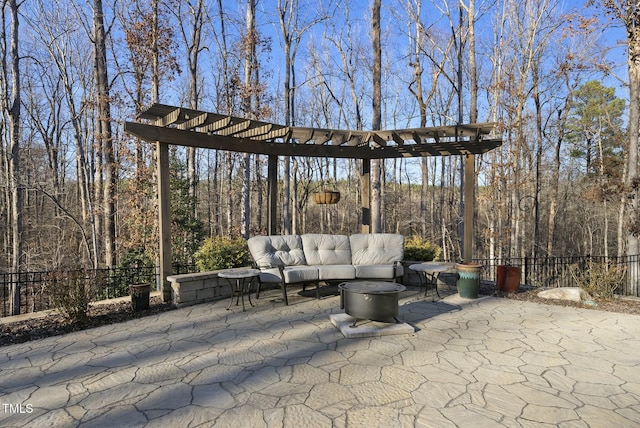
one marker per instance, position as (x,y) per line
(277,250)
(376,248)
(324,249)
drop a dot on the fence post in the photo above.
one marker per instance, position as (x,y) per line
(526,270)
(633,276)
(14,307)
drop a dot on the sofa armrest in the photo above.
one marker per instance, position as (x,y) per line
(396,269)
(265,267)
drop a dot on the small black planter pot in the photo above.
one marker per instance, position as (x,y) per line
(140,296)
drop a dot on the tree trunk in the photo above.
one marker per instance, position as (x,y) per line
(11,107)
(633,179)
(628,12)
(555,173)
(193,45)
(104,134)
(229,193)
(155,56)
(249,62)
(295,217)
(376,121)
(245,209)
(283,11)
(194,89)
(538,168)
(469,161)
(259,196)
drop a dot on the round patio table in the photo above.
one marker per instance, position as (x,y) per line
(429,272)
(240,280)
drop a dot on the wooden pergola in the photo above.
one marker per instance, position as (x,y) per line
(166,125)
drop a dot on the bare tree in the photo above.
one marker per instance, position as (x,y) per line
(225,91)
(418,88)
(191,24)
(287,14)
(293,27)
(628,13)
(150,59)
(575,56)
(10,100)
(529,28)
(57,30)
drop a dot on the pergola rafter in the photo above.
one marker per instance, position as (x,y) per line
(167,125)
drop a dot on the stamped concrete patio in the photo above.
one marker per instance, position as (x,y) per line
(488,362)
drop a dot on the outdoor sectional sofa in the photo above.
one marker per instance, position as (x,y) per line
(315,258)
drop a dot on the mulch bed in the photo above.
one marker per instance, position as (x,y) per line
(621,305)
(56,324)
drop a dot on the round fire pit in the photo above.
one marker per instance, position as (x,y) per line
(370,300)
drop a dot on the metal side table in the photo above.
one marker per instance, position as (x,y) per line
(240,280)
(429,272)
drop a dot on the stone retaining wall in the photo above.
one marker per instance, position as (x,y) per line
(193,288)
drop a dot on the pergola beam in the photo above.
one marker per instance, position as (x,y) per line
(181,137)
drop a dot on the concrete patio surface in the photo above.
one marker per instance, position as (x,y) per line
(470,363)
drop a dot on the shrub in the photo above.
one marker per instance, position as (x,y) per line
(222,253)
(418,249)
(72,292)
(598,279)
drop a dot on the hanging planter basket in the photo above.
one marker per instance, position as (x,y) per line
(326,197)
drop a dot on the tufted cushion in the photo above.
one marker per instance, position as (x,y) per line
(376,248)
(324,249)
(276,250)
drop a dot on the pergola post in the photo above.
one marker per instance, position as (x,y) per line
(469,207)
(164,212)
(272,195)
(365,191)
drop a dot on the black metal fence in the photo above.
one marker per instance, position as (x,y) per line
(560,271)
(114,282)
(111,283)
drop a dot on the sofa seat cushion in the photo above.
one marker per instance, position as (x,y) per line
(277,250)
(295,274)
(292,275)
(376,248)
(325,249)
(335,272)
(378,271)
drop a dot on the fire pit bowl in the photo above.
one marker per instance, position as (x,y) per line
(370,300)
